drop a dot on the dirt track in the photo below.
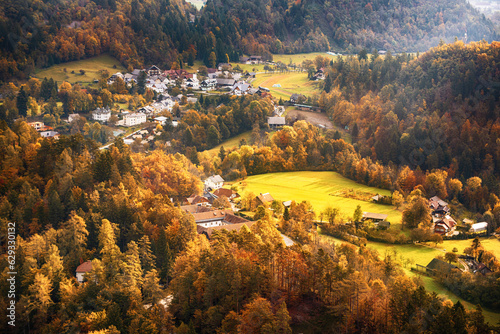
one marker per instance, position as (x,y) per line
(312,117)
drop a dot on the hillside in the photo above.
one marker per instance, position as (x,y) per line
(440,110)
(172,33)
(282,26)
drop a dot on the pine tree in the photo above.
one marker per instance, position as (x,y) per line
(22,102)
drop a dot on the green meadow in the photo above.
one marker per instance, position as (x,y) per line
(290,82)
(91,66)
(231,143)
(321,189)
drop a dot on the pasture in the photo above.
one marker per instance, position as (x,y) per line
(321,189)
(290,82)
(91,66)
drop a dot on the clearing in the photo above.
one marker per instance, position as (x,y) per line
(321,189)
(291,83)
(91,66)
(231,143)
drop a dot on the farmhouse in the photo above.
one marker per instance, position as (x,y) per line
(264,199)
(207,231)
(211,218)
(251,60)
(438,206)
(374,217)
(82,269)
(197,199)
(154,70)
(276,122)
(101,114)
(214,182)
(444,225)
(297,98)
(208,84)
(229,193)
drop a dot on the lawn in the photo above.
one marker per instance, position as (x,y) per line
(317,188)
(291,82)
(231,143)
(91,66)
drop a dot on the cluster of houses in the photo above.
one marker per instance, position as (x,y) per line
(444,224)
(44,130)
(220,78)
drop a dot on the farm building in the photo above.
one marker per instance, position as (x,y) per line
(276,122)
(479,227)
(375,217)
(264,198)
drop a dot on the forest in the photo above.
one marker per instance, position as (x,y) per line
(72,202)
(172,33)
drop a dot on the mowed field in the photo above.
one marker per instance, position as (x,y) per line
(290,82)
(91,66)
(317,188)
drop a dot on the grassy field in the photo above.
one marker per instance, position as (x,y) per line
(317,188)
(231,143)
(91,66)
(300,57)
(291,82)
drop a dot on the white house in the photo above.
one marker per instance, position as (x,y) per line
(214,182)
(73,117)
(82,269)
(101,114)
(134,119)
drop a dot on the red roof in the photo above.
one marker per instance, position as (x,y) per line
(84,267)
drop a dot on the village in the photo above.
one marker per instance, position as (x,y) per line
(168,108)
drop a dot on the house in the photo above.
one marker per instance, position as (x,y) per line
(82,269)
(240,88)
(197,200)
(153,70)
(297,98)
(214,182)
(195,208)
(287,203)
(222,66)
(374,217)
(264,199)
(276,122)
(101,114)
(211,218)
(207,231)
(161,120)
(482,269)
(50,134)
(73,117)
(39,126)
(319,75)
(439,266)
(229,193)
(479,227)
(251,60)
(208,84)
(134,119)
(438,206)
(443,225)
(377,198)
